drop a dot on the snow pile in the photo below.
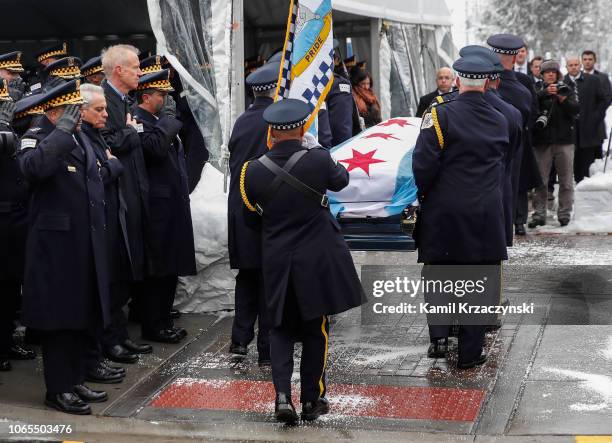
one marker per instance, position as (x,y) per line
(213,288)
(593,201)
(600,385)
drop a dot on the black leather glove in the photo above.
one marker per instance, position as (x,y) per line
(17,88)
(7,109)
(169,108)
(69,119)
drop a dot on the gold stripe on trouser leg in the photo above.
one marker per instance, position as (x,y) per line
(324,331)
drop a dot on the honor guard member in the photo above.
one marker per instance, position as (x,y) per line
(307,267)
(65,291)
(122,71)
(458,169)
(526,174)
(92,71)
(94,119)
(61,71)
(514,119)
(249,140)
(172,244)
(14,197)
(45,58)
(11,70)
(28,111)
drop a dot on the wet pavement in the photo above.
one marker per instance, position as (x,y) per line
(548,376)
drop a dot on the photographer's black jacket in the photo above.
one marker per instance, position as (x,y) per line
(561,127)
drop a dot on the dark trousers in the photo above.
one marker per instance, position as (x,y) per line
(314,335)
(116,332)
(156,303)
(10,294)
(250,305)
(521,208)
(64,359)
(583,158)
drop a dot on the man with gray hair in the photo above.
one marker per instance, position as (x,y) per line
(122,70)
(444,84)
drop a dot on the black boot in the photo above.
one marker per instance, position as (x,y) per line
(481,359)
(519,229)
(284,410)
(68,402)
(311,410)
(238,349)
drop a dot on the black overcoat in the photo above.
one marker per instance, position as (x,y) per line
(66,269)
(303,247)
(594,102)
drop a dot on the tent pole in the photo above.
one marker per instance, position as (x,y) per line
(375,26)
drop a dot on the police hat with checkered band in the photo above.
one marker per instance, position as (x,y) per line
(152,64)
(11,61)
(67,68)
(487,54)
(30,105)
(63,95)
(287,114)
(159,80)
(506,44)
(92,66)
(474,67)
(265,78)
(59,50)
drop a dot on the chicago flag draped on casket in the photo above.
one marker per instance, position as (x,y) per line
(379,162)
(307,65)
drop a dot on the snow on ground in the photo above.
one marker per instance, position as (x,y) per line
(600,385)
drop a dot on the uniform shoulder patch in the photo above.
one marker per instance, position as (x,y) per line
(28,143)
(345,87)
(34,130)
(427,121)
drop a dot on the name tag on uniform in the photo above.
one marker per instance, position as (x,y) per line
(71,168)
(139,128)
(28,143)
(345,88)
(35,86)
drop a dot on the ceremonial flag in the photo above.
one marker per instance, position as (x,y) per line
(307,65)
(379,162)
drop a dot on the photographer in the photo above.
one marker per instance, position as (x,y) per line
(554,136)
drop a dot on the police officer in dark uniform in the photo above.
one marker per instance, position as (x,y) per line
(249,140)
(514,119)
(172,244)
(458,168)
(45,58)
(11,70)
(92,71)
(14,196)
(526,173)
(65,292)
(307,267)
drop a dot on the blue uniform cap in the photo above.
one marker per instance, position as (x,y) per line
(286,114)
(60,49)
(65,94)
(92,66)
(474,66)
(276,57)
(159,80)
(11,61)
(507,44)
(30,105)
(487,54)
(264,78)
(67,68)
(151,64)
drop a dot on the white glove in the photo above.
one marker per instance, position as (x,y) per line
(309,141)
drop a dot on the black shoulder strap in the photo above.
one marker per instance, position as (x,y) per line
(294,182)
(273,187)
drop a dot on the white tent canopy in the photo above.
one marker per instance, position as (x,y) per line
(430,12)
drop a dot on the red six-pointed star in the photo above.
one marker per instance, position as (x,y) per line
(362,161)
(382,135)
(395,121)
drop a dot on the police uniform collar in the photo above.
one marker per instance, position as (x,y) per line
(287,145)
(471,96)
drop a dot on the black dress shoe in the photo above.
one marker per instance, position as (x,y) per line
(102,375)
(135,348)
(119,354)
(470,364)
(181,332)
(113,369)
(264,362)
(535,222)
(175,313)
(519,229)
(5,365)
(311,410)
(238,349)
(283,409)
(88,395)
(162,336)
(68,402)
(564,221)
(17,352)
(438,348)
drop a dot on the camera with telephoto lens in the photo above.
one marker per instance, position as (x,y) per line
(542,120)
